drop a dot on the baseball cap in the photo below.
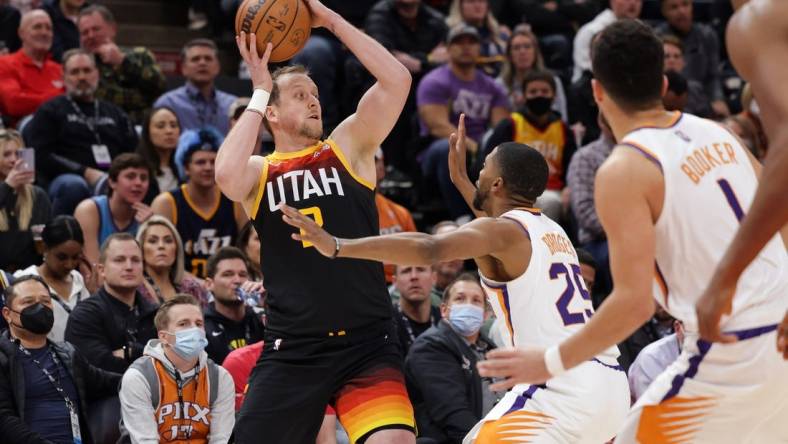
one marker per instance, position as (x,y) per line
(461,30)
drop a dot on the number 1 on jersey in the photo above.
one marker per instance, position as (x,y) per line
(317,215)
(730,196)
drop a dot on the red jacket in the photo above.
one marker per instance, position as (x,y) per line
(24,86)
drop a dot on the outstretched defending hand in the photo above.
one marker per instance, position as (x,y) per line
(715,302)
(458,170)
(309,231)
(515,366)
(258,66)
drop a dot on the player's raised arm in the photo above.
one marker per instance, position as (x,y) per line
(458,169)
(237,171)
(381,105)
(480,237)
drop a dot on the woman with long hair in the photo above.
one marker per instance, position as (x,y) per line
(162,258)
(62,270)
(23,205)
(523,56)
(493,35)
(249,243)
(160,132)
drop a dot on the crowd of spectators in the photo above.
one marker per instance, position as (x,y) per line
(116,239)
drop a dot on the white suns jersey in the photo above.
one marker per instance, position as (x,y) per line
(549,302)
(709,186)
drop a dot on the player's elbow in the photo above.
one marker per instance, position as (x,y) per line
(229,188)
(399,79)
(642,309)
(429,249)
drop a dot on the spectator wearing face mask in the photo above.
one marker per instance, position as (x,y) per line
(537,125)
(174,393)
(45,386)
(449,397)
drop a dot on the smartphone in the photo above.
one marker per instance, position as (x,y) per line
(28,157)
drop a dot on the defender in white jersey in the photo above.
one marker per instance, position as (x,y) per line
(532,278)
(670,197)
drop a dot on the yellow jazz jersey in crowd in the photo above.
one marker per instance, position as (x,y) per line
(543,307)
(203,234)
(725,393)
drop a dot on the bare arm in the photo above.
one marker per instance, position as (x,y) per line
(380,107)
(87,215)
(767,215)
(622,185)
(481,237)
(497,114)
(436,119)
(163,206)
(621,188)
(458,168)
(237,170)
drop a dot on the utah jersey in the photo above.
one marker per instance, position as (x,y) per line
(309,294)
(709,185)
(202,233)
(549,302)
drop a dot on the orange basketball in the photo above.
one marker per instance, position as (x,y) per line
(285,23)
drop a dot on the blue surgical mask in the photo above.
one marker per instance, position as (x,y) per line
(189,343)
(466,319)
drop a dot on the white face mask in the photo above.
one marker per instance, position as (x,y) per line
(466,319)
(189,342)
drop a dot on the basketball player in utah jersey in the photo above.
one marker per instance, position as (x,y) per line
(532,279)
(670,198)
(328,336)
(762,59)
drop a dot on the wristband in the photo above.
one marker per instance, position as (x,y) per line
(259,101)
(336,249)
(553,362)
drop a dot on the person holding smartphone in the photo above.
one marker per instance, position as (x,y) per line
(23,206)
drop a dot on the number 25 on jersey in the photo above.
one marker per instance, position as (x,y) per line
(574,284)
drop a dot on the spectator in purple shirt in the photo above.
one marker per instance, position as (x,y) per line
(445,93)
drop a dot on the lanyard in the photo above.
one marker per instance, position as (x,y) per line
(91,125)
(63,303)
(55,382)
(180,383)
(408,327)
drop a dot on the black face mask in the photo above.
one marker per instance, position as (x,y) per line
(37,318)
(539,105)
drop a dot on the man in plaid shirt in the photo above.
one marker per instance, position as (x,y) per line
(130,78)
(580,179)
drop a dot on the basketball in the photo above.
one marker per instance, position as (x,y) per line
(285,23)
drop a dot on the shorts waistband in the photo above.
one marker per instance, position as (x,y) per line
(382,326)
(750,333)
(612,367)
